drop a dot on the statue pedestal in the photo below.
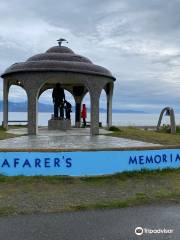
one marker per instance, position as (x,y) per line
(59,124)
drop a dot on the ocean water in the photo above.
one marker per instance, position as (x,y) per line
(119,119)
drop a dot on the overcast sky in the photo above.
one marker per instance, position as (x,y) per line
(137,40)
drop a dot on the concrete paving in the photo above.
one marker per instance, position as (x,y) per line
(70,139)
(116,224)
(43,131)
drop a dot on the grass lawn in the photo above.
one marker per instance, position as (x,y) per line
(17,126)
(148,136)
(26,195)
(5,135)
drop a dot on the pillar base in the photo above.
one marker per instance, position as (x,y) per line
(94,131)
(5,125)
(78,124)
(32,130)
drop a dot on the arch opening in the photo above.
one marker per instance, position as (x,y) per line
(103,109)
(17,106)
(46,106)
(87,101)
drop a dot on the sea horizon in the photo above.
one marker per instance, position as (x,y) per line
(119,119)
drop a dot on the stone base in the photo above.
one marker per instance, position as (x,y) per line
(59,124)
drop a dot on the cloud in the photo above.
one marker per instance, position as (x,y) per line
(137,40)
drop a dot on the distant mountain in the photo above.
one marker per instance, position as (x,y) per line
(22,107)
(127,111)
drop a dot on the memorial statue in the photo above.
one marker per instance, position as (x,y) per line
(58,100)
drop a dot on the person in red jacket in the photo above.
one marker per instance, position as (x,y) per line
(84,114)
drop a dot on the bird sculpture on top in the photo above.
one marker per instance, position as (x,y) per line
(61,40)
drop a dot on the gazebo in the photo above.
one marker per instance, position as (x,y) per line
(59,64)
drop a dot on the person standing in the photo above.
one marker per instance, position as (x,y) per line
(58,97)
(68,110)
(84,114)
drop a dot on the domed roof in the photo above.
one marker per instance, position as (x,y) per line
(60,49)
(59,53)
(59,59)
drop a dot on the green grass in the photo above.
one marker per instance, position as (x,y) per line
(5,211)
(17,126)
(148,136)
(4,134)
(144,173)
(139,199)
(24,195)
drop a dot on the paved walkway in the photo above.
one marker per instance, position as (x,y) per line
(71,139)
(43,131)
(116,224)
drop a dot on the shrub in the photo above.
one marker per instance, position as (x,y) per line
(177,129)
(165,128)
(114,129)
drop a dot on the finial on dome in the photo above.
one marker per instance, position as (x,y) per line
(61,40)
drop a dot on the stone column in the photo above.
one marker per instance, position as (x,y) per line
(78,101)
(109,93)
(5,103)
(32,112)
(95,95)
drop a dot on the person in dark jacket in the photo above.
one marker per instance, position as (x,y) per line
(68,110)
(58,100)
